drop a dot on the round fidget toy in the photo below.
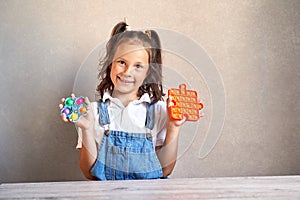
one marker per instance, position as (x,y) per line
(74,108)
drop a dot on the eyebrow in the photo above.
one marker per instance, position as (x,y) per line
(138,62)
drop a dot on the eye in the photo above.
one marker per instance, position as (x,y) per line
(121,62)
(141,66)
(138,66)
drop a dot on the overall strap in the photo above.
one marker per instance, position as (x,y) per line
(103,113)
(150,117)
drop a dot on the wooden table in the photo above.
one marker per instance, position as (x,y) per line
(274,187)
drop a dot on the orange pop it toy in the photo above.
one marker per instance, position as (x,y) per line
(185,103)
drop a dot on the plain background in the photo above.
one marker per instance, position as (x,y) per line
(254,45)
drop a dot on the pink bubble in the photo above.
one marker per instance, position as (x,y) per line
(79,101)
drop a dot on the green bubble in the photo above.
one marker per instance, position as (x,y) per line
(69,102)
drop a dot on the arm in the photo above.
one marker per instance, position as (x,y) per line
(88,151)
(167,153)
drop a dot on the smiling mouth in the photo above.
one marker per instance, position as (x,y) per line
(124,80)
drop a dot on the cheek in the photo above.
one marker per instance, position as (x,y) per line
(113,70)
(116,69)
(112,74)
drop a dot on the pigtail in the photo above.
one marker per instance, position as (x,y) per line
(153,82)
(154,38)
(119,28)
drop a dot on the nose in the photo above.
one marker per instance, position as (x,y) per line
(128,70)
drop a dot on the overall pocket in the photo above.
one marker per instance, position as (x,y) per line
(131,158)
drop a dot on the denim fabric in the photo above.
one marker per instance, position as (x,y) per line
(150,117)
(126,156)
(103,113)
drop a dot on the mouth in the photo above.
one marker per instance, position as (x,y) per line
(125,81)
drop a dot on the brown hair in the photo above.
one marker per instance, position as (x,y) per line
(151,42)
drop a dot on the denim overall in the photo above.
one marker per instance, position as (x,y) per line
(126,156)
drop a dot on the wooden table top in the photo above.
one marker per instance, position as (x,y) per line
(265,187)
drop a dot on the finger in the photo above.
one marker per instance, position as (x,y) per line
(87,101)
(60,106)
(64,117)
(73,95)
(63,100)
(182,121)
(170,102)
(184,118)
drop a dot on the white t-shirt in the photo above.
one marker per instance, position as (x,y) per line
(129,119)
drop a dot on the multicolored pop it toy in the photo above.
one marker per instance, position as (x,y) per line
(184,103)
(74,108)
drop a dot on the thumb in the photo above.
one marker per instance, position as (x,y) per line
(87,101)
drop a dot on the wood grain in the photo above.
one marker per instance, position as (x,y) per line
(275,187)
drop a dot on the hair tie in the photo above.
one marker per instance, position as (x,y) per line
(128,28)
(148,33)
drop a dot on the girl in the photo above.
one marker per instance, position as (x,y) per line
(128,134)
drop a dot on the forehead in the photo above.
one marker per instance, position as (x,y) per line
(131,50)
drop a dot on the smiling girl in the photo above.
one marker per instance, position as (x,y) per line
(128,134)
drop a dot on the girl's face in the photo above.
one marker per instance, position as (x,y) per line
(129,69)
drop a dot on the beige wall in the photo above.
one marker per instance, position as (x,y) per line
(254,45)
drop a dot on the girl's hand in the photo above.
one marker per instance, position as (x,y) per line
(85,122)
(178,123)
(174,123)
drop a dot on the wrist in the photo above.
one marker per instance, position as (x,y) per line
(174,124)
(85,126)
(88,127)
(173,129)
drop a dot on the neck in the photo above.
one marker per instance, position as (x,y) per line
(124,98)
